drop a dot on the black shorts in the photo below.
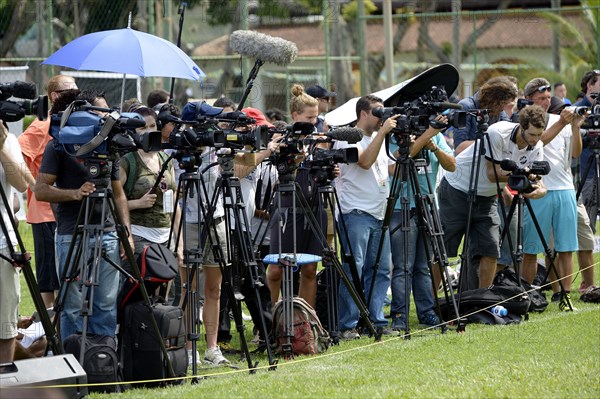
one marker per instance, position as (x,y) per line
(306,240)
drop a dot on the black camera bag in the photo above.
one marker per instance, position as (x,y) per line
(100,361)
(141,354)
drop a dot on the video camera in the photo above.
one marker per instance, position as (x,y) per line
(85,131)
(518,179)
(592,125)
(209,126)
(13,111)
(416,116)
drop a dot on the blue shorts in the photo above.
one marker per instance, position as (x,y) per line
(556,212)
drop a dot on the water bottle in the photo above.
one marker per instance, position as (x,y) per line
(499,310)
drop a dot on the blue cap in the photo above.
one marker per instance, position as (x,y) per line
(191,110)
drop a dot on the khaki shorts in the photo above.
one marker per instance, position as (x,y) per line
(10,295)
(585,236)
(207,253)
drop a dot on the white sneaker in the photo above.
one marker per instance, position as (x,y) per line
(213,356)
(191,358)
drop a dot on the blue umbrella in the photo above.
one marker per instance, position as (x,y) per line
(126,51)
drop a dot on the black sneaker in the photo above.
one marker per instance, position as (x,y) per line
(556,297)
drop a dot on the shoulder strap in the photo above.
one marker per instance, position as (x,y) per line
(131,173)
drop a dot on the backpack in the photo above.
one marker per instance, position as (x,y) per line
(508,278)
(157,266)
(132,171)
(309,336)
(100,362)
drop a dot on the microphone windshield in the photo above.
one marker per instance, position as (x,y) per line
(264,47)
(350,134)
(18,89)
(508,165)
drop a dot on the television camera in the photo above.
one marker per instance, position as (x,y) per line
(592,125)
(414,117)
(519,178)
(15,110)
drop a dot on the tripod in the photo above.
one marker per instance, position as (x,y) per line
(428,223)
(517,205)
(228,189)
(595,181)
(289,188)
(83,263)
(22,259)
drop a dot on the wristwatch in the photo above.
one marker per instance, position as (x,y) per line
(435,149)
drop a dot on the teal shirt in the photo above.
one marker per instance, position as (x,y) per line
(432,170)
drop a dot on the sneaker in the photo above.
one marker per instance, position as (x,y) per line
(191,358)
(214,357)
(350,335)
(245,317)
(565,301)
(398,324)
(556,297)
(387,330)
(431,320)
(582,287)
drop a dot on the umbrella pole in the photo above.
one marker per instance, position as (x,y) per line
(122,93)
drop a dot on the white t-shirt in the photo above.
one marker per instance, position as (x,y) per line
(503,146)
(558,154)
(364,189)
(248,189)
(192,213)
(14,150)
(265,172)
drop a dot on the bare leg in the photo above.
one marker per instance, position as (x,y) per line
(308,284)
(487,271)
(529,267)
(586,259)
(274,276)
(48,298)
(212,295)
(7,350)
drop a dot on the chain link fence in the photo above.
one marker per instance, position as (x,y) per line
(559,44)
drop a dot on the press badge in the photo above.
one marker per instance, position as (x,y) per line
(168,201)
(382,183)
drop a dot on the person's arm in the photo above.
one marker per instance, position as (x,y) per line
(443,153)
(122,209)
(576,141)
(367,158)
(426,137)
(245,163)
(549,134)
(16,171)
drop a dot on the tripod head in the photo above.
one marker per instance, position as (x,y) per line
(99,170)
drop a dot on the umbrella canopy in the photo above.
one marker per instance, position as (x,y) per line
(126,51)
(408,90)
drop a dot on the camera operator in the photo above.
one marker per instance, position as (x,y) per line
(64,180)
(13,173)
(518,142)
(39,214)
(557,211)
(436,152)
(323,96)
(363,188)
(303,108)
(498,95)
(590,83)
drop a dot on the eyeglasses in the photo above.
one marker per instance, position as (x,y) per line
(544,88)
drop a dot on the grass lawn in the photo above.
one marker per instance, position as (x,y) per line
(554,355)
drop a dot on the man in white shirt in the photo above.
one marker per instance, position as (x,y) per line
(363,189)
(557,211)
(13,173)
(519,142)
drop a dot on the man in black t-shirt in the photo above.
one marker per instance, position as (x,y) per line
(65,180)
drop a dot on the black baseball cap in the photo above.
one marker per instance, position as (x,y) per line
(317,91)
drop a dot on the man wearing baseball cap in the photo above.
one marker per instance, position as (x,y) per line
(323,96)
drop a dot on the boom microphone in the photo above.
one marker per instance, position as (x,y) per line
(350,134)
(264,47)
(443,105)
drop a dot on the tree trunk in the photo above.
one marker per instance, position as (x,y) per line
(19,26)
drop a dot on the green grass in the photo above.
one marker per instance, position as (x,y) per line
(554,354)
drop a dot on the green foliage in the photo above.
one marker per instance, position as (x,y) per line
(350,10)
